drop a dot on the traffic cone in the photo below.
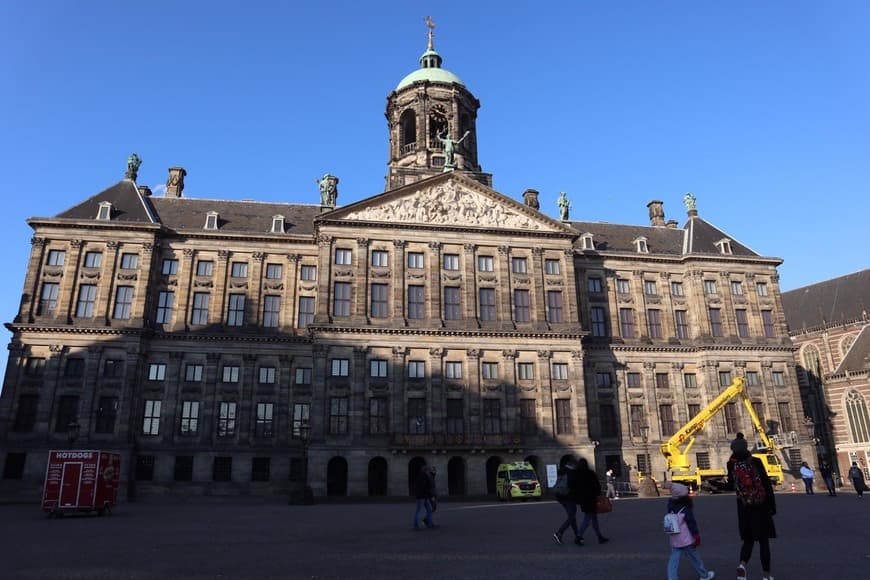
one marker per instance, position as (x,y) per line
(793,488)
(691,490)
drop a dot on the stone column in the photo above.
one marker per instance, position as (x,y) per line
(357,411)
(287,317)
(610,278)
(360,293)
(472,382)
(579,402)
(174,376)
(470,286)
(669,327)
(398,386)
(254,310)
(69,282)
(31,281)
(538,298)
(398,281)
(570,297)
(503,298)
(317,412)
(509,379)
(185,296)
(641,323)
(221,275)
(436,405)
(546,388)
(108,273)
(434,311)
(324,279)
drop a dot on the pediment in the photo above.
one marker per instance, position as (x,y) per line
(454,202)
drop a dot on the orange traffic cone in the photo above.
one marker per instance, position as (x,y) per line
(691,490)
(793,488)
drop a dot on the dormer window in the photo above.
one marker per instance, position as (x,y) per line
(724,246)
(211,220)
(640,245)
(586,242)
(277,224)
(105,211)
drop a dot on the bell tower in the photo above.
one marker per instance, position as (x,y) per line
(432,119)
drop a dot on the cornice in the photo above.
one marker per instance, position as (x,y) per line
(443,332)
(596,255)
(355,224)
(687,348)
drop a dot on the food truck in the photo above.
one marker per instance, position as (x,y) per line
(81,481)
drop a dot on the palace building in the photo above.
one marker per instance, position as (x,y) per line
(243,347)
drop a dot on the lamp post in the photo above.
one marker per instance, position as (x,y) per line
(646,486)
(72,433)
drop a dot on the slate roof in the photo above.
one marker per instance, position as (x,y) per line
(127,205)
(830,302)
(184,214)
(701,238)
(609,237)
(858,357)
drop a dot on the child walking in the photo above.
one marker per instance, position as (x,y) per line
(688,539)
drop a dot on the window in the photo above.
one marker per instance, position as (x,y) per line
(343,257)
(491,416)
(183,470)
(587,241)
(416,369)
(737,287)
(552,267)
(702,458)
(301,413)
(603,380)
(453,370)
(199,313)
(416,415)
(204,268)
(271,311)
(230,374)
(690,381)
(653,318)
(682,324)
(626,322)
(528,416)
(306,311)
(25,416)
(303,376)
(93,259)
(123,302)
(340,367)
(341,300)
(858,420)
(274,271)
(560,371)
(189,417)
(415,260)
(778,378)
(277,224)
(752,378)
(113,369)
(677,289)
(75,368)
(635,422)
(129,261)
(641,245)
(643,463)
(379,423)
(416,302)
(623,286)
(378,368)
(451,303)
(144,467)
(521,306)
(338,417)
(107,413)
(731,425)
(767,323)
(236,310)
(267,375)
(263,427)
(211,220)
(715,322)
(761,288)
(87,297)
(594,285)
(724,378)
(564,425)
(742,323)
(490,370)
(519,266)
(694,409)
(56,258)
(151,418)
(607,412)
(724,246)
(662,381)
(649,287)
(785,417)
(239,270)
(308,273)
(193,373)
(666,415)
(48,299)
(487,303)
(633,380)
(14,466)
(451,261)
(710,287)
(485,264)
(165,300)
(380,295)
(261,468)
(455,416)
(227,419)
(380,258)
(34,367)
(554,306)
(156,371)
(526,371)
(599,324)
(222,469)
(169,266)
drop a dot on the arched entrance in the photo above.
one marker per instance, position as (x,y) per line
(414,467)
(456,476)
(336,477)
(378,476)
(491,469)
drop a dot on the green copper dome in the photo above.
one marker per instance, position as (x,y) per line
(430,70)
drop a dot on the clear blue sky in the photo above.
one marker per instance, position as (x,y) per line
(761,109)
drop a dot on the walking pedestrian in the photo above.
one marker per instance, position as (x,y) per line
(857,477)
(568,500)
(807,474)
(688,539)
(589,488)
(426,496)
(756,505)
(611,484)
(828,478)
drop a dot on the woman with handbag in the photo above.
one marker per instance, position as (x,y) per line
(589,490)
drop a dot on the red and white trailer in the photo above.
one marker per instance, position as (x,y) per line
(81,481)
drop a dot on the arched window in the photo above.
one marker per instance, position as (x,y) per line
(859,422)
(812,363)
(408,132)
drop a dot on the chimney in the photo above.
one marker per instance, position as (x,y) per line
(531,198)
(672,224)
(656,213)
(175,183)
(144,190)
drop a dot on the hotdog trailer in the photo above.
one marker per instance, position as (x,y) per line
(81,481)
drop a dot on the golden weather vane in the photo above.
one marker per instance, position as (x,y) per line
(431,25)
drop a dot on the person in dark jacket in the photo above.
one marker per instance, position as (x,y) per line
(857,477)
(755,522)
(588,490)
(568,501)
(828,478)
(426,497)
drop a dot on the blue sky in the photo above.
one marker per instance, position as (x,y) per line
(759,108)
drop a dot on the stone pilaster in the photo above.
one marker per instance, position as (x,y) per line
(31,281)
(434,311)
(398,281)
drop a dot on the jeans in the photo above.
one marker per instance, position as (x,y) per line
(808,483)
(763,546)
(571,510)
(694,558)
(589,518)
(427,505)
(829,483)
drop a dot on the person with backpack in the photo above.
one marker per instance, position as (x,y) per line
(682,529)
(857,477)
(756,505)
(567,490)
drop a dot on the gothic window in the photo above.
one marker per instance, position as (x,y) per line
(859,422)
(408,132)
(811,362)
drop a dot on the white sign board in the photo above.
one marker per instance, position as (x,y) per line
(552,474)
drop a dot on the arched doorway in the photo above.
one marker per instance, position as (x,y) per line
(491,469)
(414,467)
(378,476)
(336,477)
(456,476)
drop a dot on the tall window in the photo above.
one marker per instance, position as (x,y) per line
(623,286)
(710,287)
(341,299)
(731,425)
(129,261)
(609,425)
(340,367)
(123,302)
(662,381)
(451,303)
(156,372)
(690,381)
(859,421)
(724,378)
(87,297)
(416,302)
(380,258)
(56,258)
(236,310)
(694,409)
(451,261)
(487,303)
(554,306)
(151,418)
(564,425)
(379,423)
(416,369)
(761,288)
(93,259)
(737,287)
(417,415)
(677,289)
(261,467)
(378,368)
(455,416)
(682,323)
(778,378)
(560,371)
(489,370)
(654,321)
(271,311)
(785,417)
(666,415)
(107,414)
(165,300)
(767,323)
(204,268)
(48,299)
(230,374)
(308,273)
(189,418)
(268,375)
(715,321)
(274,271)
(25,416)
(193,373)
(604,380)
(633,380)
(380,295)
(594,285)
(552,267)
(521,305)
(635,415)
(742,323)
(485,264)
(35,367)
(301,413)
(306,311)
(626,322)
(415,260)
(528,416)
(752,378)
(263,427)
(599,324)
(453,370)
(526,371)
(649,287)
(491,416)
(343,256)
(169,266)
(113,369)
(303,376)
(519,266)
(199,312)
(227,419)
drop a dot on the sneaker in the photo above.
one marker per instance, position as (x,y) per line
(578,541)
(603,540)
(558,537)
(710,575)
(741,572)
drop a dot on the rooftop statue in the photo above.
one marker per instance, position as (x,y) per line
(133,163)
(328,189)
(689,200)
(564,206)
(450,148)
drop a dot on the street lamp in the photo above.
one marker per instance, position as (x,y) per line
(646,486)
(72,433)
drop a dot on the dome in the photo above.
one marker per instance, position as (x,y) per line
(437,75)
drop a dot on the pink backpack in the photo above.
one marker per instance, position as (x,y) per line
(684,537)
